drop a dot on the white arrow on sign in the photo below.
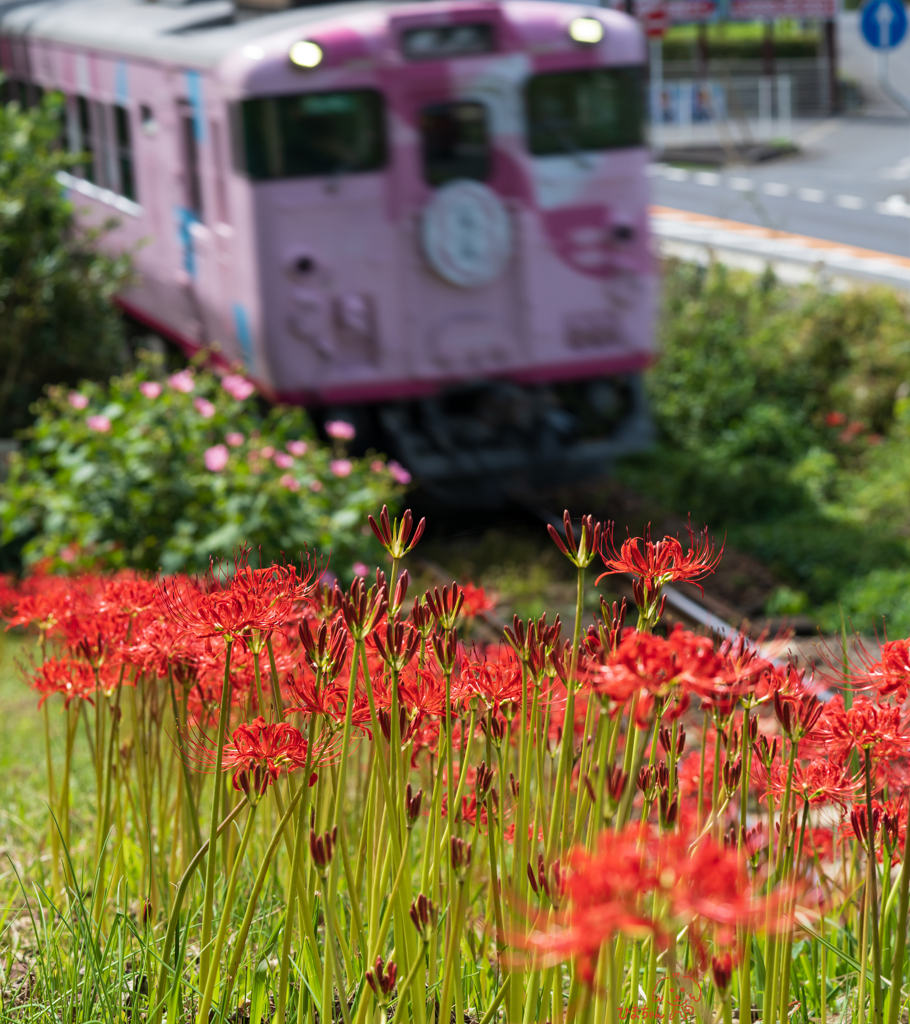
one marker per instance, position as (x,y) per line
(884,16)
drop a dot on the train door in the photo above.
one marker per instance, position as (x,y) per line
(327,250)
(461,232)
(196,218)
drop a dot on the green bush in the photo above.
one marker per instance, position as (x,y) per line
(57,323)
(784,419)
(163,473)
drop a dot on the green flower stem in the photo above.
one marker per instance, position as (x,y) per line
(900,940)
(208,900)
(406,984)
(872,874)
(205,1002)
(157,1004)
(275,682)
(241,938)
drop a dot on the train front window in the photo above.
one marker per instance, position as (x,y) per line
(455,142)
(314,134)
(599,108)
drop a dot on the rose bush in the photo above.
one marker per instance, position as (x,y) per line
(164,472)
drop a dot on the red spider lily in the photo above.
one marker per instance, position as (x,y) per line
(75,680)
(821,781)
(658,562)
(476,601)
(703,884)
(330,700)
(270,748)
(680,664)
(889,826)
(248,606)
(890,674)
(496,679)
(866,726)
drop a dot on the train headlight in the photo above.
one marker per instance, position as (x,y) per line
(306,54)
(586,30)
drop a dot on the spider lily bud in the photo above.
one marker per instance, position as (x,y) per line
(582,553)
(860,823)
(461,857)
(445,606)
(532,878)
(381,979)
(422,619)
(733,771)
(663,774)
(412,805)
(482,782)
(445,648)
(722,971)
(424,915)
(401,591)
(589,785)
(766,752)
(647,781)
(514,785)
(394,537)
(616,783)
(400,645)
(322,849)
(362,608)
(668,808)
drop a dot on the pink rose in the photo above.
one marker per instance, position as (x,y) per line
(377,465)
(182,381)
(316,486)
(216,458)
(283,461)
(267,452)
(341,467)
(297,448)
(399,473)
(100,423)
(340,430)
(150,388)
(204,407)
(237,387)
(360,569)
(234,439)
(292,483)
(77,400)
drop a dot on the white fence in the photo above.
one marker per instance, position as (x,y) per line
(738,110)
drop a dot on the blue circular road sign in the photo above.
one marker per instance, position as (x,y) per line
(884,23)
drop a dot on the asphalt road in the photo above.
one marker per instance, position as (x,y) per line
(850,184)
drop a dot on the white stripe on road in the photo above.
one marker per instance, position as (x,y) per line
(741,184)
(811,195)
(707,178)
(850,202)
(773,188)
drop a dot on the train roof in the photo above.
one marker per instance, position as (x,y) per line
(197,33)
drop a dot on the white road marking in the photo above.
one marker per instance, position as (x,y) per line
(774,188)
(894,206)
(741,184)
(811,195)
(850,202)
(707,178)
(676,174)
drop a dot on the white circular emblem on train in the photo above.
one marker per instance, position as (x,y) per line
(467,234)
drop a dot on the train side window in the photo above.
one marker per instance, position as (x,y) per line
(192,179)
(124,152)
(314,134)
(598,108)
(86,138)
(455,142)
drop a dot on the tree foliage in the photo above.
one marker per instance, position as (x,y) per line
(57,322)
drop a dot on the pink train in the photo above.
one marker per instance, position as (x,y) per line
(429,218)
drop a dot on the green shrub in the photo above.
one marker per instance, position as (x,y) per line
(164,473)
(784,419)
(57,323)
